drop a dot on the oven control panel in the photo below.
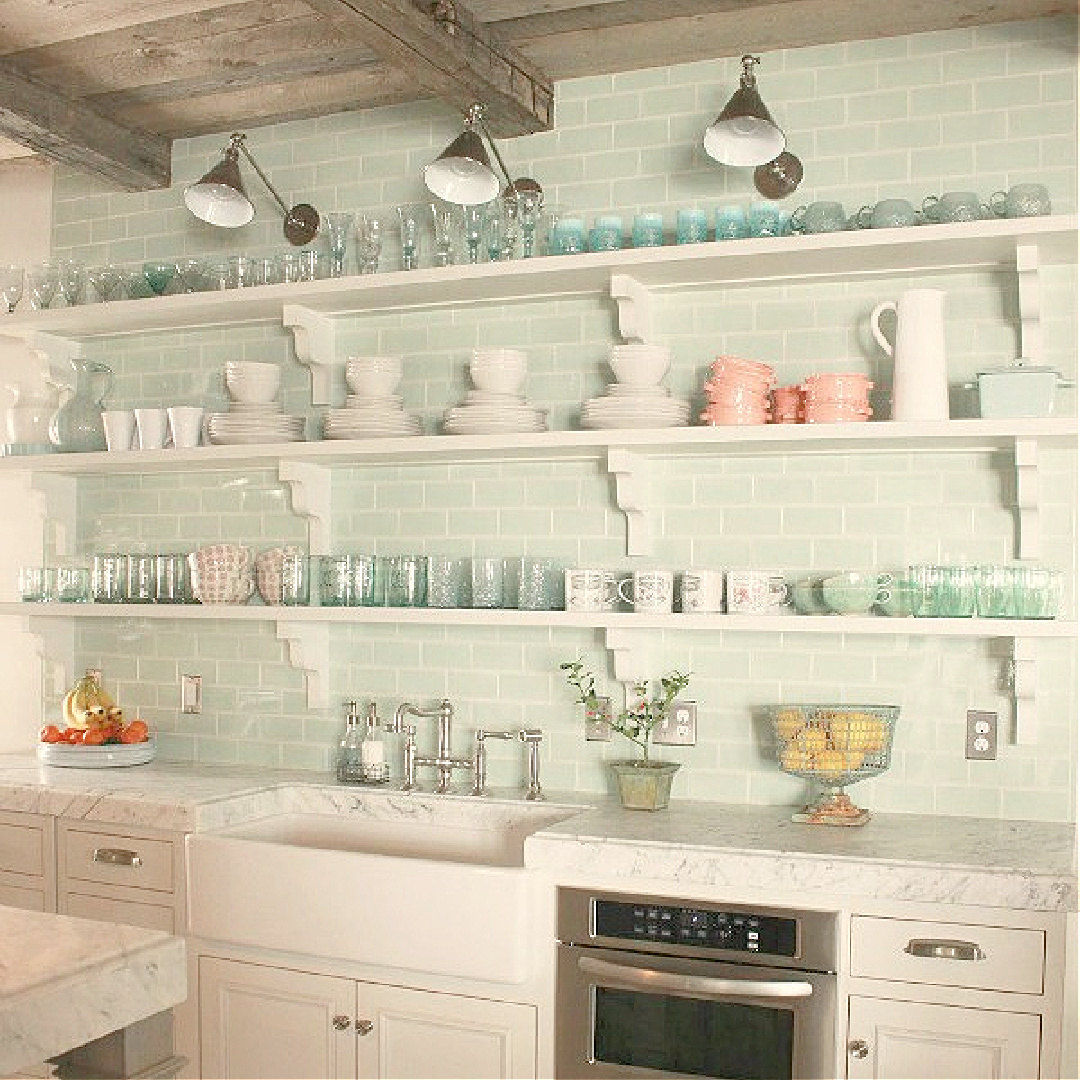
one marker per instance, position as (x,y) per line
(703,928)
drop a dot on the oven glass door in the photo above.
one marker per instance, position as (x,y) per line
(674,1017)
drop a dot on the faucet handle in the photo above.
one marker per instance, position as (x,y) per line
(532,738)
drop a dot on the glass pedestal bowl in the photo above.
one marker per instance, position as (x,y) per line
(835,746)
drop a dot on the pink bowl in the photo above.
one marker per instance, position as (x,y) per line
(823,414)
(723,416)
(736,395)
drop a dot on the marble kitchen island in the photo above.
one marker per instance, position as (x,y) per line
(65,982)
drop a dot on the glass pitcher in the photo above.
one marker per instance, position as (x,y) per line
(76,426)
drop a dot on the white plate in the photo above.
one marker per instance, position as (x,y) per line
(385,401)
(368,433)
(243,408)
(608,422)
(252,438)
(96,757)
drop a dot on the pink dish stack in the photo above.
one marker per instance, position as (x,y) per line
(787,405)
(738,392)
(836,398)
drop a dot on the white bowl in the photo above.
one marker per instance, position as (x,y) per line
(252,382)
(639,367)
(504,374)
(373,376)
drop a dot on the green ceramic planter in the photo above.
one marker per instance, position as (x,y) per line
(644,785)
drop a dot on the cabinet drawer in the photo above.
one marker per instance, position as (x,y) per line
(22,848)
(1003,958)
(118,860)
(131,912)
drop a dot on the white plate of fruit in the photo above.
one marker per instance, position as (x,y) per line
(94,733)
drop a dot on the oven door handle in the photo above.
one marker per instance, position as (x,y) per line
(642,978)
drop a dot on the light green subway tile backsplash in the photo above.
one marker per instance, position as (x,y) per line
(964,109)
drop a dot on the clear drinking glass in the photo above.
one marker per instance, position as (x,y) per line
(72,584)
(487,577)
(294,577)
(409,225)
(43,282)
(108,578)
(406,581)
(447,582)
(71,279)
(37,584)
(192,275)
(335,581)
(107,282)
(369,238)
(530,203)
(141,578)
(171,584)
(472,227)
(442,221)
(11,285)
(339,226)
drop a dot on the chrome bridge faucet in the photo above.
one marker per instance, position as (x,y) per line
(443,762)
(531,737)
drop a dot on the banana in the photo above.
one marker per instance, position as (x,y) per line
(86,702)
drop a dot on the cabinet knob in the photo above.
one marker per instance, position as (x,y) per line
(365,1027)
(858,1049)
(342,1023)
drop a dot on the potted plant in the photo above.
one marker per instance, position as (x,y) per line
(644,784)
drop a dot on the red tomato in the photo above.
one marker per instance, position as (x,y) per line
(73,735)
(135,732)
(51,733)
(93,737)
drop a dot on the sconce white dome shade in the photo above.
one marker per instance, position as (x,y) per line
(219,198)
(462,173)
(743,140)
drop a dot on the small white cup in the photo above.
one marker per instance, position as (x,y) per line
(185,424)
(152,428)
(756,592)
(649,590)
(589,590)
(702,590)
(119,428)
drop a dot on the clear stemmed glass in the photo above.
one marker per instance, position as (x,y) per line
(501,228)
(529,204)
(107,281)
(159,275)
(43,282)
(442,220)
(192,274)
(472,220)
(409,219)
(369,242)
(338,227)
(11,285)
(71,277)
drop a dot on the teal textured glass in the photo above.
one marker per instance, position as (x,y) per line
(764,219)
(648,230)
(691,226)
(731,223)
(568,236)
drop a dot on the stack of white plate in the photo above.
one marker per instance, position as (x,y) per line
(637,398)
(246,424)
(370,418)
(497,404)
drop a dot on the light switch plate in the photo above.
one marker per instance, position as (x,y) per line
(980,743)
(191,694)
(679,726)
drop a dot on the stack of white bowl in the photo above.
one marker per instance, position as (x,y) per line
(372,409)
(637,398)
(255,412)
(498,402)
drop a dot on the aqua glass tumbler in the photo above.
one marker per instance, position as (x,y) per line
(731,223)
(764,219)
(648,230)
(606,233)
(691,226)
(568,236)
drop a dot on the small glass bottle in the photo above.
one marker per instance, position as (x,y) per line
(350,766)
(372,752)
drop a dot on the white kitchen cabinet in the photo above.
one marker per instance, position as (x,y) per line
(947,1000)
(893,1039)
(27,861)
(263,1021)
(119,874)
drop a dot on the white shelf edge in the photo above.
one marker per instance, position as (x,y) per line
(886,435)
(967,246)
(775,624)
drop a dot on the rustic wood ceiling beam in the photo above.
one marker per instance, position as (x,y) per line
(446,50)
(65,130)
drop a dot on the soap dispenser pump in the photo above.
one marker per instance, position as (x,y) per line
(372,752)
(350,763)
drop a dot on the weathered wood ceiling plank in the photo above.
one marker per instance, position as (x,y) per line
(69,131)
(462,67)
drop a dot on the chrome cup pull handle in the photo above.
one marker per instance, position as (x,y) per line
(943,949)
(117,856)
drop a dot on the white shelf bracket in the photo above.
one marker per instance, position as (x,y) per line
(309,651)
(628,470)
(635,308)
(1026,457)
(628,654)
(1030,301)
(309,486)
(315,345)
(1024,680)
(56,646)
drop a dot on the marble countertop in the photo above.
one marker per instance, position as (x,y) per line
(66,981)
(1012,864)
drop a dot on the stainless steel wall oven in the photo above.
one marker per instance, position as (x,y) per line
(654,987)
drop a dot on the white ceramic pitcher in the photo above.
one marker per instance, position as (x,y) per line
(920,374)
